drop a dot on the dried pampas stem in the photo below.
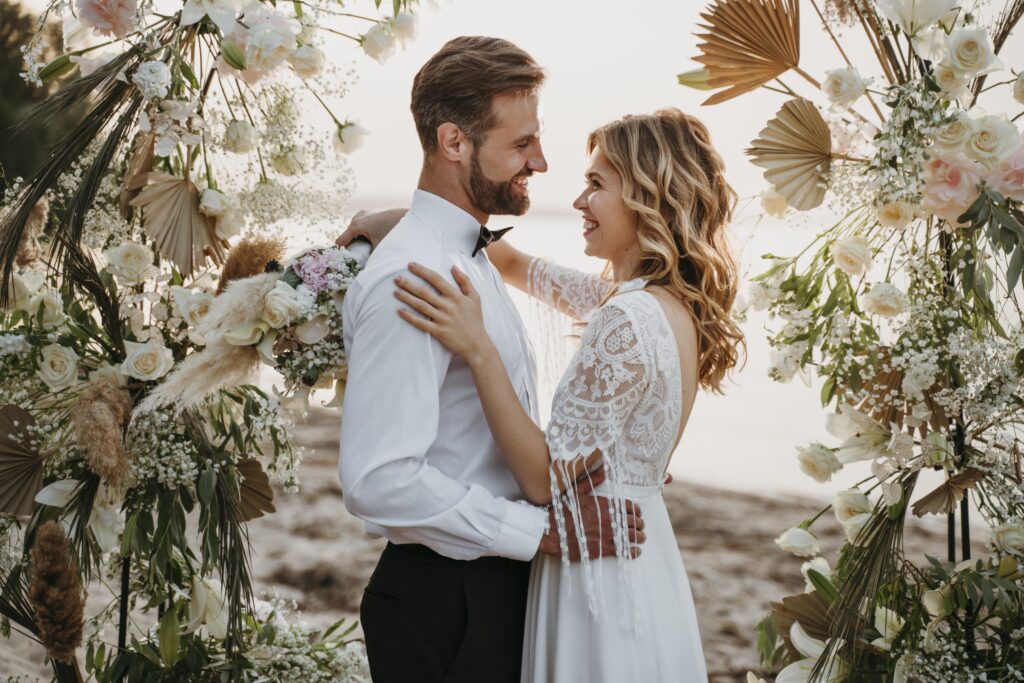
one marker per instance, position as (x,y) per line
(218,366)
(98,416)
(29,250)
(55,593)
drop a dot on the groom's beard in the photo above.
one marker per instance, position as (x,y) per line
(494,198)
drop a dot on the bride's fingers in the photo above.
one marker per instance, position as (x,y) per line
(418,322)
(428,295)
(418,305)
(463,281)
(433,279)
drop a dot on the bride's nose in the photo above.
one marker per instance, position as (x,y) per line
(581,202)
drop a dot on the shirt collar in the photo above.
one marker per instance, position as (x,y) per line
(454,223)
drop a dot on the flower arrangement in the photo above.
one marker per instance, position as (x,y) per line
(908,310)
(143,279)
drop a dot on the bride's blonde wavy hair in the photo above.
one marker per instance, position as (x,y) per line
(674,179)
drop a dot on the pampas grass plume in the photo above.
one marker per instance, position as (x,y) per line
(250,257)
(55,593)
(98,416)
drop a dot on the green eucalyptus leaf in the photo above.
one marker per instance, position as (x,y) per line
(823,586)
(232,54)
(170,637)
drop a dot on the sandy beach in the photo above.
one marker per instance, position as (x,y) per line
(311,550)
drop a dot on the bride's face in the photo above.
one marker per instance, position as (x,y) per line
(609,226)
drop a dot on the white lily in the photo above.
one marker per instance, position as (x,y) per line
(864,437)
(913,16)
(207,606)
(812,649)
(889,624)
(105,518)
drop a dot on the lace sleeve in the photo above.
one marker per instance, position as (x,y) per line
(573,292)
(601,389)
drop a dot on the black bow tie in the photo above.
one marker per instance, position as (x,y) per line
(488,238)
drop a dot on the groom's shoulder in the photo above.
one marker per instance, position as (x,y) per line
(410,240)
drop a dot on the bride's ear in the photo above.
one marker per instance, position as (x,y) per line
(452,143)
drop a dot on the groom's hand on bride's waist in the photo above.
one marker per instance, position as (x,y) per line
(596,516)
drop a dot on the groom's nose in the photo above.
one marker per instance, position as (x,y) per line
(537,162)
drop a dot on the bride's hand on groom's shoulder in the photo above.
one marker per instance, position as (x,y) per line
(452,315)
(373,226)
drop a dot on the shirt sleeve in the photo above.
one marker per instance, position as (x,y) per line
(390,419)
(574,292)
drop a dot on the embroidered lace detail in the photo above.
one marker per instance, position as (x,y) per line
(621,395)
(574,292)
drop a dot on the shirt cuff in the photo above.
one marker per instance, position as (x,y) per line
(520,531)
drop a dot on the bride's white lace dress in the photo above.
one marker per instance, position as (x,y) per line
(614,619)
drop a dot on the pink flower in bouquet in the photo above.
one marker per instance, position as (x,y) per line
(1008,177)
(108,17)
(951,185)
(312,268)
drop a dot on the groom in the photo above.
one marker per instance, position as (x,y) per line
(447,599)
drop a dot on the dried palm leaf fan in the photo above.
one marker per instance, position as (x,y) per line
(882,384)
(948,495)
(21,467)
(256,498)
(140,164)
(748,43)
(795,149)
(170,214)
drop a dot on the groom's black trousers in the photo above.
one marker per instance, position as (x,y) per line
(429,618)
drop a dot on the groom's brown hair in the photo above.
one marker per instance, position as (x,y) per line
(459,82)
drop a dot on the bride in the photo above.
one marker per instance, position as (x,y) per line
(657,328)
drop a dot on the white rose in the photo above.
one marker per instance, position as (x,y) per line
(798,541)
(58,367)
(404,27)
(954,135)
(191,306)
(213,203)
(971,51)
(849,504)
(843,86)
(1008,538)
(240,137)
(818,462)
(52,306)
(349,137)
(994,139)
(230,224)
(268,44)
(818,564)
(307,61)
(23,290)
(1018,88)
(915,15)
(147,362)
(153,79)
(378,43)
(773,203)
(289,161)
(951,82)
(280,305)
(131,263)
(885,300)
(896,215)
(936,601)
(851,255)
(853,526)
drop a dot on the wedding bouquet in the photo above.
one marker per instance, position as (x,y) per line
(909,311)
(142,282)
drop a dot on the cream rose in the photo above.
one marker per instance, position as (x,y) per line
(307,61)
(995,138)
(58,367)
(270,42)
(240,137)
(147,362)
(349,137)
(896,215)
(378,43)
(798,541)
(773,203)
(1008,538)
(954,135)
(848,504)
(404,27)
(818,462)
(971,51)
(950,185)
(885,300)
(851,255)
(951,82)
(191,306)
(1008,177)
(51,305)
(131,263)
(843,86)
(280,305)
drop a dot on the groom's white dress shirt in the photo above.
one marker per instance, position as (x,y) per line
(418,463)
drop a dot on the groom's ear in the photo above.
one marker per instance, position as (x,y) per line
(452,143)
